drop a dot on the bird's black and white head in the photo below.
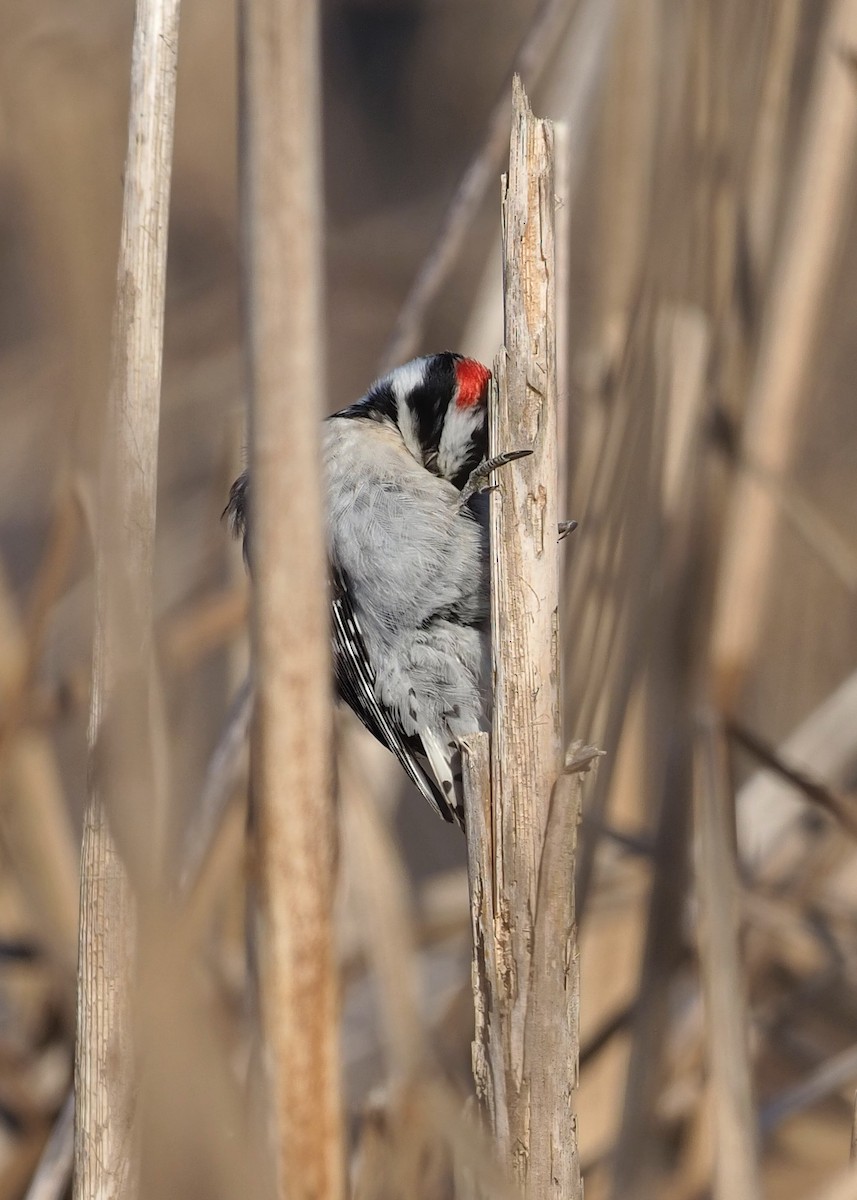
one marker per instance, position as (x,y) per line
(440,406)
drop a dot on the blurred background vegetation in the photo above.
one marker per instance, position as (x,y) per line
(686,160)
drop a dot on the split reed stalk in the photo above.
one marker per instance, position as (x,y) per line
(522,827)
(291,758)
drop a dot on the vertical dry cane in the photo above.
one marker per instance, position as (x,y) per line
(105,1068)
(282,224)
(522,826)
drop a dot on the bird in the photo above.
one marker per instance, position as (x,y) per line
(405,475)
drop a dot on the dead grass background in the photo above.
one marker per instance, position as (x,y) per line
(676,218)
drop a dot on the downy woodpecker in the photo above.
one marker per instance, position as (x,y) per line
(407,543)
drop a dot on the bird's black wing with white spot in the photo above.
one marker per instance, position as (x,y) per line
(356,682)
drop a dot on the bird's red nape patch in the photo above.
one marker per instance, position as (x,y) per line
(472,380)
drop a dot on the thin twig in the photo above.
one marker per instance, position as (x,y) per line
(572,90)
(444,253)
(834,802)
(769,814)
(817,532)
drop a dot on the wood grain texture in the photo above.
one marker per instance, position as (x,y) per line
(122,766)
(291,755)
(524,516)
(525,750)
(521,811)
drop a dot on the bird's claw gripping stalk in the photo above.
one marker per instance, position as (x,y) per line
(481,473)
(476,484)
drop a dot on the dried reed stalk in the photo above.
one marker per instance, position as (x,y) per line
(682,339)
(608,610)
(736,1166)
(526,724)
(801,271)
(522,829)
(121,757)
(282,229)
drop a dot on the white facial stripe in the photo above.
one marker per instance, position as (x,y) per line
(456,441)
(403,381)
